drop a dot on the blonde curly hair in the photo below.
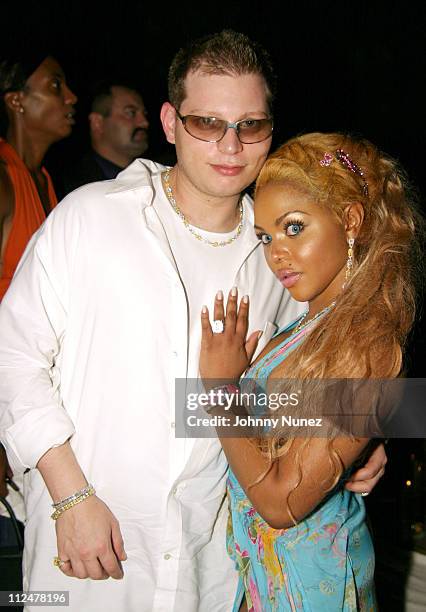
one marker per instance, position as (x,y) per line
(365,334)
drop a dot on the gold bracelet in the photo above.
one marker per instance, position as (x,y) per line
(90,491)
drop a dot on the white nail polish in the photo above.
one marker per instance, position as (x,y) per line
(234,291)
(219,295)
(246,299)
(204,309)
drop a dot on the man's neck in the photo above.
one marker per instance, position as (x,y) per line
(208,212)
(111,155)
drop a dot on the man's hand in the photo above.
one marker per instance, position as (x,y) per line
(5,472)
(90,541)
(89,538)
(365,479)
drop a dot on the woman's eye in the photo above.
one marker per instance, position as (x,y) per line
(264,238)
(293,229)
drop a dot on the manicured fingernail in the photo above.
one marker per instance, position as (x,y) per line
(204,309)
(246,299)
(234,291)
(259,335)
(219,295)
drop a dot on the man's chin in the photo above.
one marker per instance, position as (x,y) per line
(228,186)
(138,151)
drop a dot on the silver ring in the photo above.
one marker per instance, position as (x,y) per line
(365,493)
(218,326)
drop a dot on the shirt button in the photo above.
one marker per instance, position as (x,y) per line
(174,353)
(172,424)
(167,556)
(178,489)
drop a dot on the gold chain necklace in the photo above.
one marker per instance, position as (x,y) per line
(169,193)
(303,324)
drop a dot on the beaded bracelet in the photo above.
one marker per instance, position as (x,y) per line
(72,497)
(90,491)
(228,389)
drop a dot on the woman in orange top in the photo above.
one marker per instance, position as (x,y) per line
(38,108)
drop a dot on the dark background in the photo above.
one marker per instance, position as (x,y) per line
(345,66)
(342,65)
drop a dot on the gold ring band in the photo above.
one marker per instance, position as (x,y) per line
(57,562)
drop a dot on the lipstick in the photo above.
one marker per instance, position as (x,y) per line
(288,278)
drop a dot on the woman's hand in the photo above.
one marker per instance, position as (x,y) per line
(226,355)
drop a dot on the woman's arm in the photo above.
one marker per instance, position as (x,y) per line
(226,356)
(279,495)
(5,472)
(7,204)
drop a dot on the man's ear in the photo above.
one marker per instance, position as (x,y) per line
(168,120)
(13,101)
(354,217)
(96,122)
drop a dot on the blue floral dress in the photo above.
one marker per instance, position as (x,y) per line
(325,563)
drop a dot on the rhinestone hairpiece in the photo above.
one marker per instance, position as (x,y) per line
(346,161)
(327,159)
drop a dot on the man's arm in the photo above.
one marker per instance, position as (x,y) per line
(32,323)
(89,537)
(34,425)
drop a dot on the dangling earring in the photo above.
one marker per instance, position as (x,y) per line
(350,260)
(17,104)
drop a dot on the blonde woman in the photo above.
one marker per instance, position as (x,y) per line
(339,232)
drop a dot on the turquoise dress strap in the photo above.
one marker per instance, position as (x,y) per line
(326,562)
(289,326)
(263,367)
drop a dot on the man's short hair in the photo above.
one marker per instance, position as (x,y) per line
(102,95)
(225,53)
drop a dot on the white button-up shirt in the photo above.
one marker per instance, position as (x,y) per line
(93,334)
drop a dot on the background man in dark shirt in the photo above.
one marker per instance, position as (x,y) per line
(118,131)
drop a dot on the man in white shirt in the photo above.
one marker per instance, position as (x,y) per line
(103,316)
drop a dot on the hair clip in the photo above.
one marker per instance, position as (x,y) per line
(327,159)
(348,163)
(345,160)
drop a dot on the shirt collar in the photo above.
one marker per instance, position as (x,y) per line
(137,176)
